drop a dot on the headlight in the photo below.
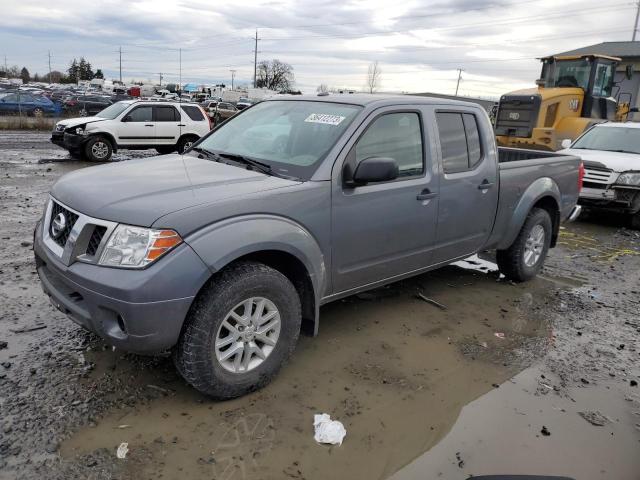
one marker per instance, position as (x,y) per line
(137,247)
(80,130)
(629,178)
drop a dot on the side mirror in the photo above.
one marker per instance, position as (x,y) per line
(634,110)
(566,143)
(127,118)
(375,169)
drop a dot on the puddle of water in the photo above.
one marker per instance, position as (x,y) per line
(493,437)
(390,367)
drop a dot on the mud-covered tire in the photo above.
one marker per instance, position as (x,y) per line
(98,149)
(185,143)
(195,355)
(511,262)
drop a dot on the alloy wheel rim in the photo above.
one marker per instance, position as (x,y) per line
(99,150)
(187,146)
(534,245)
(247,335)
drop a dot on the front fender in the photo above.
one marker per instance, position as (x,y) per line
(223,242)
(542,187)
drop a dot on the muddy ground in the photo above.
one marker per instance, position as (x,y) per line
(423,392)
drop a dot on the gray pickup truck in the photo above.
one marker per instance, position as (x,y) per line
(223,255)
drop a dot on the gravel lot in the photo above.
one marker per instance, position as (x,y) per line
(423,392)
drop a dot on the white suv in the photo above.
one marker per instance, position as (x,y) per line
(132,124)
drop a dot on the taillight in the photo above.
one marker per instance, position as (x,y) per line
(580,176)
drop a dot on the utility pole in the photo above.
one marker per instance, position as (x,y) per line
(6,69)
(180,70)
(460,70)
(635,26)
(49,53)
(160,78)
(120,51)
(233,75)
(255,60)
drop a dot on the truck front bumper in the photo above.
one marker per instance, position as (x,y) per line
(140,311)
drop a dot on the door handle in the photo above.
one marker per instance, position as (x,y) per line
(485,185)
(147,125)
(181,125)
(426,194)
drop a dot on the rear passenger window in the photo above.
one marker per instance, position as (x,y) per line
(397,136)
(459,141)
(194,112)
(167,114)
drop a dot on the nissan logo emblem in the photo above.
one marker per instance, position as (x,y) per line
(514,116)
(58,225)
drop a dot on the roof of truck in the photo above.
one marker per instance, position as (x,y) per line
(364,99)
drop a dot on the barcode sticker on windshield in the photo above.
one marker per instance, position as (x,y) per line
(324,118)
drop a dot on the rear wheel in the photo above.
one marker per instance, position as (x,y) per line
(98,149)
(38,112)
(185,143)
(241,329)
(524,258)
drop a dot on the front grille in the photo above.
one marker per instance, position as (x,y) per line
(600,176)
(96,238)
(517,115)
(70,220)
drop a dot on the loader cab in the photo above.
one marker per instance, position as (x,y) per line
(594,74)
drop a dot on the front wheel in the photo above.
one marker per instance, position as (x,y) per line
(524,258)
(241,329)
(98,149)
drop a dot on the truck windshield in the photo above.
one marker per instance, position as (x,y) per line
(612,139)
(292,137)
(112,111)
(569,73)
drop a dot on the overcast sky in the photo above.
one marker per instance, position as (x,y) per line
(419,44)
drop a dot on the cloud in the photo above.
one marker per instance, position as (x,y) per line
(418,43)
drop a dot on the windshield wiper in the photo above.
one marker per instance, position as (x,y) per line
(262,167)
(206,153)
(623,151)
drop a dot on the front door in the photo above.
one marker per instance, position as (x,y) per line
(468,186)
(382,230)
(137,127)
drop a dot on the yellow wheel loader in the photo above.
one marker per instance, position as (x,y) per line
(573,93)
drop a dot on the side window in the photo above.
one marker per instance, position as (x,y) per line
(459,141)
(397,136)
(166,114)
(473,139)
(141,114)
(194,113)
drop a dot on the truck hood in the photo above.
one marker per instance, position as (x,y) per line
(616,161)
(74,122)
(140,191)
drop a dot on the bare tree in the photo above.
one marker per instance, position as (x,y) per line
(373,76)
(274,75)
(322,88)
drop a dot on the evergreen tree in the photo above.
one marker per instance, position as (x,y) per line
(24,75)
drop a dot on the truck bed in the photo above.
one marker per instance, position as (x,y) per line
(519,172)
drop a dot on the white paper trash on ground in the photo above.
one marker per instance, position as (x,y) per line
(122,450)
(327,430)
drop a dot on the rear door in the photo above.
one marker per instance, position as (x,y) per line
(468,182)
(382,230)
(167,121)
(137,127)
